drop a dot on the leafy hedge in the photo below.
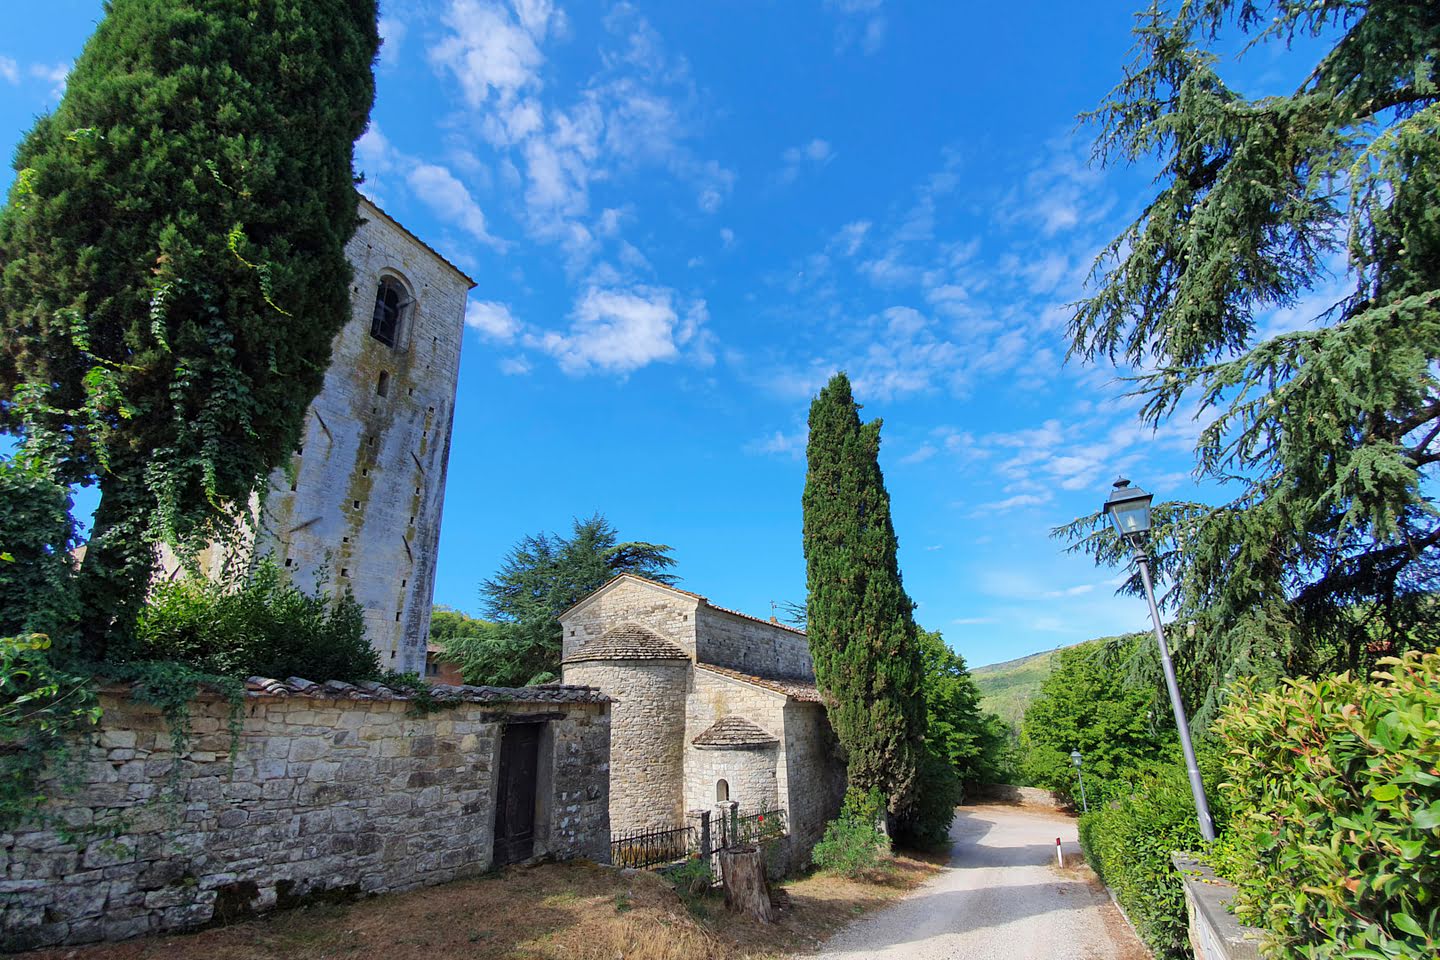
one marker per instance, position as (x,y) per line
(1129,840)
(1338,846)
(261,625)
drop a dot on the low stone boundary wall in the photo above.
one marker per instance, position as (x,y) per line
(334,789)
(1019,796)
(1215,934)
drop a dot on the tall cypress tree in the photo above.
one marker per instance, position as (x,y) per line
(174,269)
(861,628)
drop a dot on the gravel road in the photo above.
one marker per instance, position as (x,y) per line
(1001,898)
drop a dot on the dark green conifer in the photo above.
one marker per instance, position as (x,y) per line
(860,624)
(173,265)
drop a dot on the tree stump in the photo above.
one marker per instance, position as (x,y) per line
(746,891)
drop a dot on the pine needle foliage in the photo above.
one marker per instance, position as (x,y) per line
(1325,437)
(541,577)
(174,268)
(860,625)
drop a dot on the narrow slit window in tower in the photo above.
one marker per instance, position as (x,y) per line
(382,386)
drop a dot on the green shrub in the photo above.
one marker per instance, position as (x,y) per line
(1129,841)
(1339,839)
(938,792)
(261,625)
(853,843)
(40,707)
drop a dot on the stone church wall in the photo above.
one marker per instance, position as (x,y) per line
(669,614)
(324,794)
(648,728)
(751,774)
(816,785)
(752,646)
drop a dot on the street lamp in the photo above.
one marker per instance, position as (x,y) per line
(1075,758)
(1129,509)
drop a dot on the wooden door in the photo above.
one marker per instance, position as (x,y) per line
(515,806)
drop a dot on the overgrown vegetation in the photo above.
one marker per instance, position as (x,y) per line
(253,624)
(174,268)
(853,844)
(40,709)
(1336,784)
(542,576)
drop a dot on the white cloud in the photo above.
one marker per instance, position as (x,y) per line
(392,35)
(862,23)
(727,238)
(54,74)
(967,621)
(444,194)
(515,366)
(9,70)
(490,51)
(850,237)
(920,455)
(780,443)
(622,330)
(493,319)
(1012,503)
(808,156)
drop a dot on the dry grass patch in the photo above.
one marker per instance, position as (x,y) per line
(570,911)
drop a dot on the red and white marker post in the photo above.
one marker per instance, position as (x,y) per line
(1059,854)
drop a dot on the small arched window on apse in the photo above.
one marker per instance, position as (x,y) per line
(722,791)
(392,304)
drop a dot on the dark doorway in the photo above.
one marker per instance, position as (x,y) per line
(515,806)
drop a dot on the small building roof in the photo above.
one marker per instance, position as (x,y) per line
(796,689)
(734,732)
(772,622)
(628,641)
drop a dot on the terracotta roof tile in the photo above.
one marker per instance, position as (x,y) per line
(793,687)
(628,641)
(261,687)
(733,731)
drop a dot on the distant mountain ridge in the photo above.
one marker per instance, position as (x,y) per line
(1007,688)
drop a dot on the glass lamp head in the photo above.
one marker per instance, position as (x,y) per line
(1129,509)
(1075,757)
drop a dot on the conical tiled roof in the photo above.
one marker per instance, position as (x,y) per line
(628,641)
(734,731)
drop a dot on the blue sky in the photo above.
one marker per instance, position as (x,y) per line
(683,218)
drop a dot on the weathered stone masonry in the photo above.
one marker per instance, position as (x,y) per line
(333,788)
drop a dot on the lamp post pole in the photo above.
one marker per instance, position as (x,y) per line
(1129,509)
(1076,759)
(1197,786)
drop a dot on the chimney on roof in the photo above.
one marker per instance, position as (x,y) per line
(773,620)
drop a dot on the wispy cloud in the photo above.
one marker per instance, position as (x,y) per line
(9,70)
(862,24)
(810,156)
(493,319)
(780,443)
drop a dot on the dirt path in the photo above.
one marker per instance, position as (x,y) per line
(1002,898)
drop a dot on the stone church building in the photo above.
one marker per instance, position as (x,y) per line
(710,705)
(359,504)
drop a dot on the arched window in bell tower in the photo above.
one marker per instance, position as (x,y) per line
(392,304)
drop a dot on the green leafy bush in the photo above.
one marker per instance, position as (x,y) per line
(1129,841)
(1339,839)
(37,590)
(853,843)
(926,826)
(262,625)
(40,707)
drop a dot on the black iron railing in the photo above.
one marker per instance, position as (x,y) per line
(652,848)
(749,829)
